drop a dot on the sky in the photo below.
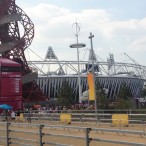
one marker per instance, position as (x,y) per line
(118,26)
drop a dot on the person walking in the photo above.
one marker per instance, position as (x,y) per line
(13,114)
(29,112)
(17,115)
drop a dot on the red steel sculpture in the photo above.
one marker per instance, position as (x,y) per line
(13,45)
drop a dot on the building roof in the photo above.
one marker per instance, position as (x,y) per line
(8,61)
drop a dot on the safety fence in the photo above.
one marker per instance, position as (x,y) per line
(83,118)
(24,134)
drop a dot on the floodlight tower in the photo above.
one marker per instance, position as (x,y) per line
(50,55)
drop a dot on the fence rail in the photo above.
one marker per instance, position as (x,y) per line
(39,134)
(83,118)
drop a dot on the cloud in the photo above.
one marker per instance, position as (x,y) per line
(53,27)
(138,44)
(43,11)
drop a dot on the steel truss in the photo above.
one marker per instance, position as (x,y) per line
(13,44)
(134,75)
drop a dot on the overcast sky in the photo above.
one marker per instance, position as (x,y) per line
(119,26)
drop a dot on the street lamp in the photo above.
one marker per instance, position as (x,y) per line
(78,45)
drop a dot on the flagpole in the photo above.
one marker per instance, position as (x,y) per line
(93,73)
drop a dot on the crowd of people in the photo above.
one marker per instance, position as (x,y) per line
(11,115)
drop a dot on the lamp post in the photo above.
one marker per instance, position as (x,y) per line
(77,46)
(93,72)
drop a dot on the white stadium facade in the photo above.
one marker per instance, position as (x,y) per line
(110,74)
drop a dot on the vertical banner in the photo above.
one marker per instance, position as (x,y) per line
(91,86)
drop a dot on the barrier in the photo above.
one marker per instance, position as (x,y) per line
(102,118)
(21,118)
(65,118)
(40,135)
(120,120)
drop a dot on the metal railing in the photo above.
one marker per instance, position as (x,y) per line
(37,134)
(82,117)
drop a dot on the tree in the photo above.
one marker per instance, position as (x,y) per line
(102,101)
(124,99)
(143,91)
(142,96)
(65,95)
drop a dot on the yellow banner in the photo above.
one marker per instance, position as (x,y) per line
(91,86)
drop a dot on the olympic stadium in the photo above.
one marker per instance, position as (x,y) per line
(110,74)
(49,73)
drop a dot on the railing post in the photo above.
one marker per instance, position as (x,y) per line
(130,111)
(88,139)
(41,135)
(7,134)
(82,118)
(120,124)
(143,127)
(96,118)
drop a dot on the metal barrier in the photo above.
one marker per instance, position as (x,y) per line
(38,136)
(40,133)
(83,117)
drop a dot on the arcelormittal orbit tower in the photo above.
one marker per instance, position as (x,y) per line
(13,45)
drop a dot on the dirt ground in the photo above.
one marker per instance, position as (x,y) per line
(49,131)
